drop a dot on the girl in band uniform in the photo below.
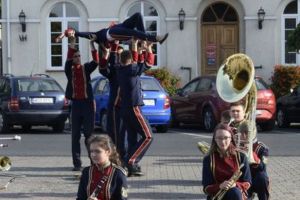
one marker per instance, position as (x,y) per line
(104,179)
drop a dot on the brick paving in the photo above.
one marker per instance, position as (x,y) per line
(166,177)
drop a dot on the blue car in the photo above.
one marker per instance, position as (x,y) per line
(157,103)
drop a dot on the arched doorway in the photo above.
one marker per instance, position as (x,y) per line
(219,36)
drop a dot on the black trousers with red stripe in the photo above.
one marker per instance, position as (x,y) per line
(139,134)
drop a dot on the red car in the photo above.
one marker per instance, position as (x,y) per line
(198,102)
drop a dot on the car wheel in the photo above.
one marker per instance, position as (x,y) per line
(162,128)
(4,127)
(103,121)
(26,128)
(58,127)
(209,121)
(282,120)
(267,126)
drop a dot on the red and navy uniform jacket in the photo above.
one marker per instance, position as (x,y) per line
(217,169)
(114,188)
(79,80)
(129,79)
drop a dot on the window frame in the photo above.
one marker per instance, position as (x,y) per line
(64,20)
(150,18)
(283,29)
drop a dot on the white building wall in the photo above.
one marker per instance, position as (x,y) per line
(183,48)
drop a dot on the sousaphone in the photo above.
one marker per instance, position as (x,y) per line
(235,82)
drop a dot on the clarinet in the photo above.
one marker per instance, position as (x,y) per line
(99,186)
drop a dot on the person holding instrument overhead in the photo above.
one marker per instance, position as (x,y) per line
(104,179)
(226,173)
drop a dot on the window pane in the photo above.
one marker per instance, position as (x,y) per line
(73,25)
(71,10)
(219,9)
(287,34)
(291,8)
(56,61)
(56,27)
(134,9)
(290,23)
(230,15)
(56,50)
(290,57)
(57,11)
(149,10)
(209,16)
(151,26)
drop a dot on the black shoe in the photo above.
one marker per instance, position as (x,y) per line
(134,170)
(161,39)
(77,169)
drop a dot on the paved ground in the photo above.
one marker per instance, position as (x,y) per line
(167,177)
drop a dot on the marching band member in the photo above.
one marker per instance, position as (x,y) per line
(79,90)
(260,179)
(104,179)
(139,132)
(131,27)
(222,161)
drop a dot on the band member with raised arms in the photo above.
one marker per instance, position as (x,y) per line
(79,90)
(109,62)
(104,179)
(139,133)
(221,163)
(132,27)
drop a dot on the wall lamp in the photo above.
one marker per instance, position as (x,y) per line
(261,16)
(181,16)
(22,18)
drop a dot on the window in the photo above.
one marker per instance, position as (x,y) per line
(204,85)
(219,12)
(62,16)
(290,20)
(151,22)
(191,87)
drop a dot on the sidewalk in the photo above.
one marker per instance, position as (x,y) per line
(49,178)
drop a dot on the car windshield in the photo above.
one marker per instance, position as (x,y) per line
(150,85)
(261,84)
(37,85)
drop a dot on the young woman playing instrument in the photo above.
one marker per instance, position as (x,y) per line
(104,179)
(220,167)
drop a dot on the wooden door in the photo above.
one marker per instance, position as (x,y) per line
(218,42)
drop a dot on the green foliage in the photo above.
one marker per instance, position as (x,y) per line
(293,41)
(284,78)
(168,81)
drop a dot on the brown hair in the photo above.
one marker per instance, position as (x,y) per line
(214,146)
(125,57)
(106,143)
(238,103)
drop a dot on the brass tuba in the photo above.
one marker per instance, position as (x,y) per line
(235,81)
(5,163)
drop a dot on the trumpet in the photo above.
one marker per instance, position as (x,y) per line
(5,163)
(221,193)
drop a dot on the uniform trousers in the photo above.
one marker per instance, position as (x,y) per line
(82,116)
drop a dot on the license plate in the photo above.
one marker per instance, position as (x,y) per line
(42,100)
(149,102)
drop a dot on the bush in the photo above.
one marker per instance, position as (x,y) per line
(168,81)
(284,78)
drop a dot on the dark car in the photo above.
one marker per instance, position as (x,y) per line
(32,100)
(156,102)
(198,102)
(288,108)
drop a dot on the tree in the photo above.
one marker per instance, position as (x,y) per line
(293,41)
